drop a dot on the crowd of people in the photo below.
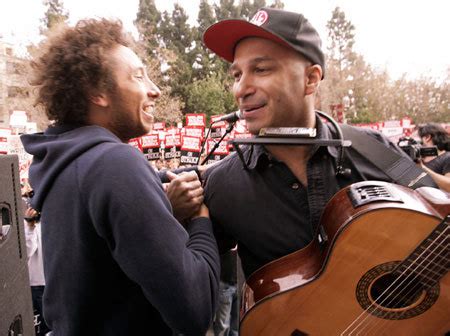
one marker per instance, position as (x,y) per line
(130,249)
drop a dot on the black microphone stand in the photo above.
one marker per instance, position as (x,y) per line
(227,131)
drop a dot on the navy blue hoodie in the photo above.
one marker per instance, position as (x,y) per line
(116,261)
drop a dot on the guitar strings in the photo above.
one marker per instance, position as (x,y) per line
(389,293)
(417,286)
(406,279)
(414,274)
(373,307)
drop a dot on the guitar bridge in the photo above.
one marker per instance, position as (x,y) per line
(367,192)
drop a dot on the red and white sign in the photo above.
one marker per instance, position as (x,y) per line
(219,123)
(196,119)
(392,133)
(173,141)
(222,149)
(194,132)
(392,124)
(150,141)
(136,143)
(406,122)
(173,137)
(240,127)
(158,126)
(373,126)
(191,144)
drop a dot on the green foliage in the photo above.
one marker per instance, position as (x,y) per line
(208,96)
(147,19)
(370,93)
(247,8)
(54,15)
(226,10)
(195,79)
(277,4)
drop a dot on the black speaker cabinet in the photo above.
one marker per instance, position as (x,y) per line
(16,312)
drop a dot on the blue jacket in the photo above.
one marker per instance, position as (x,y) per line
(116,261)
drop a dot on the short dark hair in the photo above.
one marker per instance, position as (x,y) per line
(72,62)
(438,134)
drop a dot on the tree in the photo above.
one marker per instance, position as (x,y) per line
(54,15)
(423,99)
(277,4)
(205,17)
(341,74)
(209,96)
(178,36)
(147,21)
(226,10)
(371,94)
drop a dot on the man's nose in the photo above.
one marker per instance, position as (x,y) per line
(244,87)
(153,90)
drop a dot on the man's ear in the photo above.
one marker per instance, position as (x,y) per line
(428,138)
(99,99)
(313,77)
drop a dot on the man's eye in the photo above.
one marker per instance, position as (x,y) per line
(236,75)
(140,77)
(259,70)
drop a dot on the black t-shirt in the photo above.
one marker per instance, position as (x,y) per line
(440,164)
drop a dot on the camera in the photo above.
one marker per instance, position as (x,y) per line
(27,196)
(414,150)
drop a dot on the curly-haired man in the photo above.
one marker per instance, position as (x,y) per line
(116,260)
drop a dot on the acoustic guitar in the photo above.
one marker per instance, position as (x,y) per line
(379,267)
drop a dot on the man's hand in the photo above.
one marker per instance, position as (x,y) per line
(442,181)
(202,212)
(185,193)
(30,217)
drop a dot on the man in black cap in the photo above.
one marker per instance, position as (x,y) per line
(277,193)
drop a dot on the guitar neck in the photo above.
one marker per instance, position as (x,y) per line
(430,260)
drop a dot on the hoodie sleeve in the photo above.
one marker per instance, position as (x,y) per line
(177,268)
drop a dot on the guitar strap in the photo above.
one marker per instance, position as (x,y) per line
(398,167)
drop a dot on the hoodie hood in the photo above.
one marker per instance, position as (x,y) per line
(55,149)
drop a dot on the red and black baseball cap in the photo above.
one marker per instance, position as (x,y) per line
(289,29)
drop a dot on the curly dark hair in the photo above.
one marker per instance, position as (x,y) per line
(72,63)
(438,134)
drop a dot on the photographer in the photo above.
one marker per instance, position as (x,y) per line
(33,240)
(438,167)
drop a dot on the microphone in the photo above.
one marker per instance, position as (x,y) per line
(230,117)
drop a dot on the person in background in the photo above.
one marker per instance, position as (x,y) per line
(226,320)
(33,240)
(119,259)
(438,167)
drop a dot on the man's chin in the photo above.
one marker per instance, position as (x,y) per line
(253,128)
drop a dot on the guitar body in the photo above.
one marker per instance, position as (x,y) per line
(330,288)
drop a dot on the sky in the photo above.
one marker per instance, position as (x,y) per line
(402,36)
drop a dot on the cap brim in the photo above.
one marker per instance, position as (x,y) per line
(223,36)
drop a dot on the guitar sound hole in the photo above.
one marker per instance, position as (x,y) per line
(376,297)
(394,292)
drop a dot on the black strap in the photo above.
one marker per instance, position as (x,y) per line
(399,168)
